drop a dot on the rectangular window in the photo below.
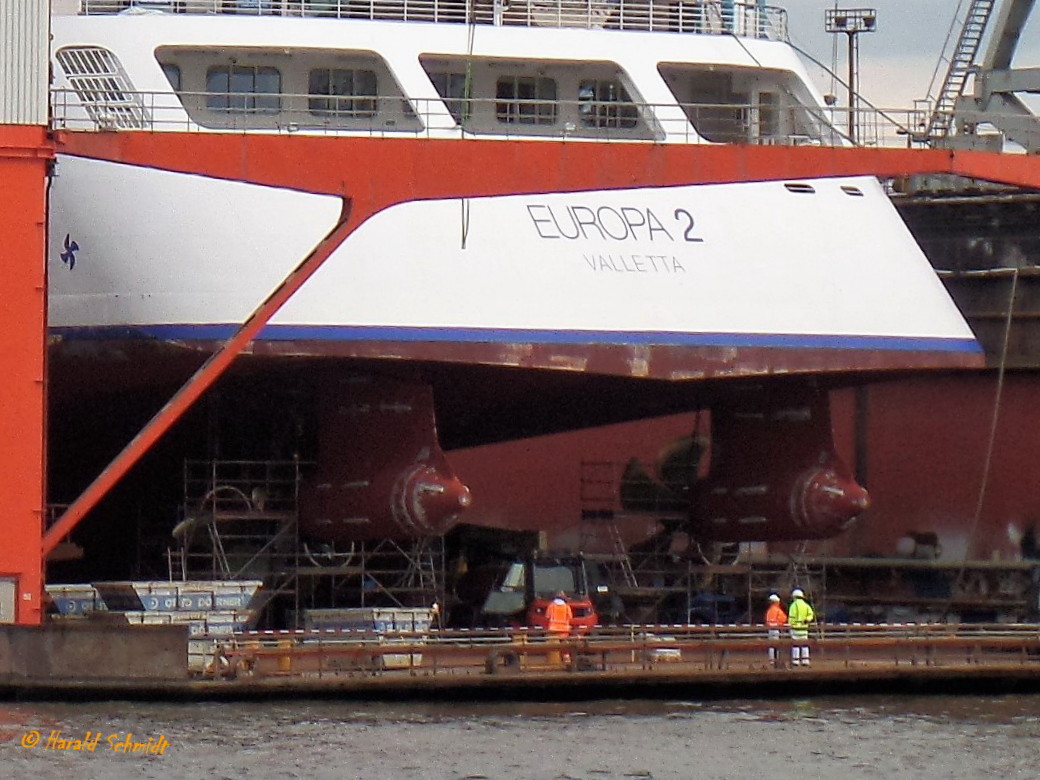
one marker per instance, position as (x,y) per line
(452,88)
(526,100)
(604,103)
(244,89)
(342,92)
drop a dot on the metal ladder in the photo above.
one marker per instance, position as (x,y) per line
(961,62)
(428,565)
(598,495)
(798,571)
(623,559)
(803,577)
(422,579)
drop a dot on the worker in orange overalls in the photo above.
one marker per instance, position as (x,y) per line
(776,619)
(559,617)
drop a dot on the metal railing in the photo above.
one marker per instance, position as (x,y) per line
(710,17)
(727,123)
(676,649)
(394,116)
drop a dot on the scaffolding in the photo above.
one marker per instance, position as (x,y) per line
(599,502)
(240,522)
(239,519)
(380,573)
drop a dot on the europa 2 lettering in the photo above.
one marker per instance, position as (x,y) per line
(612,223)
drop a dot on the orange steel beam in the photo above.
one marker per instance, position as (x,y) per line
(397,169)
(25,155)
(374,173)
(202,379)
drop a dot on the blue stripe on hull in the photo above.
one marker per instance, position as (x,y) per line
(352,333)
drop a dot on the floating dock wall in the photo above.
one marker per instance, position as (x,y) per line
(91,653)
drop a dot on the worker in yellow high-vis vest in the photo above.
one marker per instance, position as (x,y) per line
(799,616)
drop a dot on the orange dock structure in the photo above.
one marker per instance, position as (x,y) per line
(416,172)
(26,157)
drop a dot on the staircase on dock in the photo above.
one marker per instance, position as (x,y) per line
(961,64)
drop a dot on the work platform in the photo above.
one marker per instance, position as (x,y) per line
(634,661)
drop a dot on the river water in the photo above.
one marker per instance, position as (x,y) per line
(854,737)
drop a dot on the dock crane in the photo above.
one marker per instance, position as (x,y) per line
(957,117)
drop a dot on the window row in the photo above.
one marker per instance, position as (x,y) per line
(355,89)
(255,89)
(354,93)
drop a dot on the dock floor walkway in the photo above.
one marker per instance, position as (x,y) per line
(646,661)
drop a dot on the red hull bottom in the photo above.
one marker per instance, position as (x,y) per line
(927,446)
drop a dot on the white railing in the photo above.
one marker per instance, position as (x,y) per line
(748,18)
(455,118)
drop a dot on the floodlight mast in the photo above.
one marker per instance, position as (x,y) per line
(852,22)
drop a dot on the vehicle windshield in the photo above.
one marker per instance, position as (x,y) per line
(549,580)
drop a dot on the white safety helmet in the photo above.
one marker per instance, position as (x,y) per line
(797,594)
(774,597)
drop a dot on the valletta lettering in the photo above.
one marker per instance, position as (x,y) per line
(635,264)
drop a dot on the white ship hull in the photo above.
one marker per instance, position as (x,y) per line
(729,279)
(710,267)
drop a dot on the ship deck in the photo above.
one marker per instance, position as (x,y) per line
(707,17)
